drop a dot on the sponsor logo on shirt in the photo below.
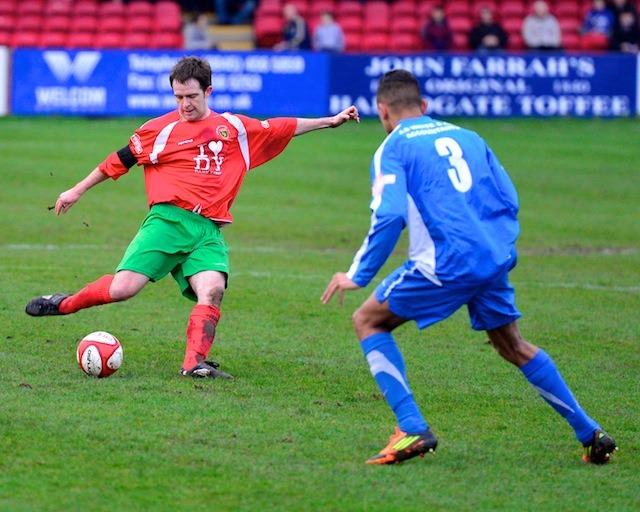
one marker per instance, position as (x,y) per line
(183,142)
(137,144)
(203,159)
(223,131)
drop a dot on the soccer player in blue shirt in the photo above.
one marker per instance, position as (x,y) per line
(461,207)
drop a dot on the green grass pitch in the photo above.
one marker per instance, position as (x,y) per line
(292,431)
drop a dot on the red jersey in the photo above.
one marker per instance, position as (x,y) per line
(200,165)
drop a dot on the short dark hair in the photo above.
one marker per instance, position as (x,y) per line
(191,67)
(399,89)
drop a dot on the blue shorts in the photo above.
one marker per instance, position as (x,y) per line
(414,297)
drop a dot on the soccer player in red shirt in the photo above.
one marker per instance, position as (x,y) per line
(194,163)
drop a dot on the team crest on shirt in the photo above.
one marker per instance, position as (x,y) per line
(223,131)
(265,124)
(208,154)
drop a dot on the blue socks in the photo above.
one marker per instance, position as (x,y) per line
(387,368)
(542,374)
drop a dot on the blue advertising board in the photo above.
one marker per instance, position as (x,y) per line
(264,83)
(497,85)
(114,82)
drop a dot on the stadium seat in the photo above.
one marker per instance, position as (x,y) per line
(85,8)
(5,37)
(376,24)
(136,40)
(108,40)
(567,9)
(404,8)
(404,24)
(81,40)
(376,9)
(268,8)
(460,24)
(348,8)
(569,25)
(29,23)
(457,9)
(111,9)
(140,8)
(168,9)
(112,23)
(515,42)
(571,41)
(8,7)
(58,7)
(302,7)
(351,23)
(405,42)
(25,39)
(512,25)
(512,9)
(84,24)
(353,41)
(53,40)
(460,41)
(57,23)
(320,6)
(7,22)
(377,42)
(165,41)
(267,30)
(30,7)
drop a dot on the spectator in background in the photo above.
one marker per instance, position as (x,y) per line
(540,29)
(196,33)
(328,36)
(626,34)
(295,32)
(617,7)
(436,34)
(596,28)
(487,35)
(235,12)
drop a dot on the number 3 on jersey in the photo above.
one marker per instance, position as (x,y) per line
(459,173)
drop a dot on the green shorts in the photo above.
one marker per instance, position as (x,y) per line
(174,240)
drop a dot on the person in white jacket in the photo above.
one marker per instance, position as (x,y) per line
(540,29)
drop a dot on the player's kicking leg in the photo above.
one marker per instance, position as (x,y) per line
(374,322)
(541,372)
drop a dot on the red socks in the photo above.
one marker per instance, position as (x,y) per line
(201,331)
(94,294)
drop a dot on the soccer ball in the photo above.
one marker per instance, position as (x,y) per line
(99,354)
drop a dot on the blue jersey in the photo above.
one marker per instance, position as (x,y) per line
(458,202)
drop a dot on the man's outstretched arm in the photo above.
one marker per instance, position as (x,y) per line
(306,125)
(70,197)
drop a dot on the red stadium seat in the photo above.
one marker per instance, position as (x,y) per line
(25,39)
(111,9)
(318,7)
(302,7)
(353,41)
(376,24)
(7,22)
(53,40)
(460,24)
(571,41)
(404,25)
(457,9)
(168,9)
(108,40)
(137,8)
(460,41)
(268,8)
(348,8)
(405,42)
(515,42)
(404,8)
(268,30)
(30,7)
(569,25)
(58,7)
(85,8)
(112,24)
(81,40)
(136,40)
(57,23)
(512,25)
(6,37)
(165,41)
(567,9)
(512,9)
(351,23)
(377,42)
(84,24)
(8,7)
(29,23)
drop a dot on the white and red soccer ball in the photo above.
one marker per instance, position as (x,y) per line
(99,354)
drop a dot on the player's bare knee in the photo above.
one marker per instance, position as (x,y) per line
(214,296)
